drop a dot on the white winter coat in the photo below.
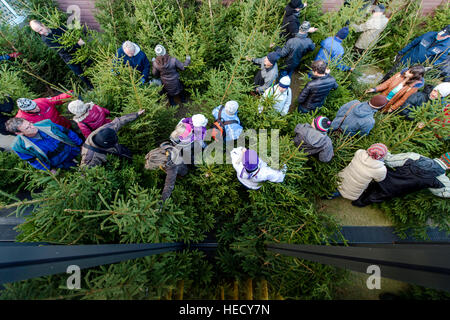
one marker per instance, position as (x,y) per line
(371,29)
(355,178)
(253,180)
(282,99)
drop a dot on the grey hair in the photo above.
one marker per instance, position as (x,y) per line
(129,45)
(12,125)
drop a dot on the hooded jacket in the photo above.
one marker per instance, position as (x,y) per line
(47,111)
(401,96)
(253,180)
(360,118)
(425,47)
(316,91)
(232,130)
(332,50)
(415,100)
(313,142)
(269,75)
(295,48)
(139,61)
(92,158)
(371,30)
(282,99)
(355,178)
(95,119)
(169,75)
(291,22)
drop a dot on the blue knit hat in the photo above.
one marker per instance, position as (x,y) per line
(251,160)
(343,33)
(273,57)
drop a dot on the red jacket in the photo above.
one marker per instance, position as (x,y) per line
(95,119)
(48,111)
(446,120)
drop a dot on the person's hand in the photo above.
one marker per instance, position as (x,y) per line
(421,125)
(81,42)
(272,45)
(312,29)
(327,70)
(153,59)
(248,58)
(141,112)
(352,69)
(370,90)
(284,168)
(304,5)
(14,54)
(188,57)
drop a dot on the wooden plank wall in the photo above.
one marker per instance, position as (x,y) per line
(428,6)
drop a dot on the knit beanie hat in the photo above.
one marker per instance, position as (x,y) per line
(377,151)
(199,120)
(273,57)
(443,89)
(160,50)
(343,33)
(305,26)
(444,160)
(322,123)
(285,82)
(231,107)
(296,4)
(80,109)
(378,101)
(105,138)
(251,160)
(25,104)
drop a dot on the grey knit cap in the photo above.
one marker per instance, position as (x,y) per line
(160,50)
(25,104)
(305,26)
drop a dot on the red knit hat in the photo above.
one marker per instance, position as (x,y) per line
(377,151)
(378,101)
(445,160)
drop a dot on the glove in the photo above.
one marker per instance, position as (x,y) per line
(188,57)
(284,168)
(14,54)
(153,59)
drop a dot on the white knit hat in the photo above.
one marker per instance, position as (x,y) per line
(199,120)
(443,89)
(160,50)
(80,109)
(26,104)
(285,82)
(231,107)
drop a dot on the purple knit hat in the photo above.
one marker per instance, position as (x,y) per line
(251,160)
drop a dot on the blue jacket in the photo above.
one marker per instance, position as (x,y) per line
(139,61)
(334,46)
(425,47)
(233,130)
(56,152)
(360,118)
(4,57)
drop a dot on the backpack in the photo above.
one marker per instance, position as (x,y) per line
(159,157)
(219,126)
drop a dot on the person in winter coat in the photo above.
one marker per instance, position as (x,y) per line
(229,118)
(332,50)
(130,53)
(268,73)
(251,170)
(312,138)
(400,87)
(43,108)
(6,138)
(88,116)
(296,47)
(420,98)
(316,91)
(291,22)
(51,39)
(198,123)
(371,29)
(407,173)
(103,141)
(444,67)
(366,165)
(166,67)
(45,145)
(281,94)
(168,158)
(357,117)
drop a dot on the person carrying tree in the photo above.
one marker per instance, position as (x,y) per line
(371,29)
(407,173)
(432,46)
(166,67)
(227,122)
(51,39)
(282,95)
(316,91)
(268,74)
(291,23)
(332,50)
(6,138)
(252,171)
(400,87)
(312,138)
(104,141)
(366,165)
(130,53)
(296,47)
(88,116)
(357,117)
(43,108)
(44,144)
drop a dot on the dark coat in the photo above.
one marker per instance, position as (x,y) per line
(313,142)
(291,22)
(425,47)
(415,100)
(169,75)
(6,106)
(359,118)
(139,61)
(295,48)
(52,41)
(316,91)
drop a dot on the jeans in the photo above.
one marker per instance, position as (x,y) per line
(303,110)
(172,98)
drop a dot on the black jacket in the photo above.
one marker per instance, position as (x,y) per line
(415,100)
(52,41)
(316,91)
(295,48)
(6,106)
(291,22)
